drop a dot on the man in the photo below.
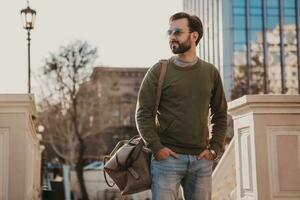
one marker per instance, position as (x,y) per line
(178,136)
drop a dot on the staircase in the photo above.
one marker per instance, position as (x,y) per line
(223,178)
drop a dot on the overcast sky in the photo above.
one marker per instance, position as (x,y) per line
(128,33)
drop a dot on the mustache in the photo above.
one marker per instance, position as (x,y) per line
(173,41)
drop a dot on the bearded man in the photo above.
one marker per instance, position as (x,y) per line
(178,135)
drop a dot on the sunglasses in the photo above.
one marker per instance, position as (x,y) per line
(176,31)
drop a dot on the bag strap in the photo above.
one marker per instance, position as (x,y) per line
(163,70)
(117,147)
(104,172)
(135,153)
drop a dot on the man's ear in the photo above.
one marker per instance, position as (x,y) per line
(195,35)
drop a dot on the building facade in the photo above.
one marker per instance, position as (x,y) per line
(118,89)
(114,93)
(258,42)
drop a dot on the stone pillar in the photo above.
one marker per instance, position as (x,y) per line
(20,154)
(267,146)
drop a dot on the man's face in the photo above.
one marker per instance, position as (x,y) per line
(179,36)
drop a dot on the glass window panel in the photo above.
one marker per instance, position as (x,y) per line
(289,20)
(239,22)
(274,71)
(255,11)
(256,22)
(276,58)
(291,72)
(256,69)
(239,3)
(272,22)
(239,61)
(290,46)
(239,46)
(255,3)
(238,11)
(289,12)
(289,3)
(272,3)
(272,11)
(255,36)
(239,36)
(290,39)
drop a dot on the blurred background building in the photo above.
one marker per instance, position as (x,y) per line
(254,43)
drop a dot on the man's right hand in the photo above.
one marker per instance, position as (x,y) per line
(164,153)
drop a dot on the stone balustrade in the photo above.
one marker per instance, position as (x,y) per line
(267,146)
(262,161)
(20,152)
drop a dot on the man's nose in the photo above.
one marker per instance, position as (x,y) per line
(172,36)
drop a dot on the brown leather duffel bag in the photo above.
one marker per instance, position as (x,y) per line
(128,166)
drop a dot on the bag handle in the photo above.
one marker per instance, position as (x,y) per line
(135,153)
(104,172)
(133,138)
(119,144)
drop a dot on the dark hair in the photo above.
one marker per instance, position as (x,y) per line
(194,23)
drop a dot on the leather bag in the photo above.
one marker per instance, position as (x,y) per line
(129,166)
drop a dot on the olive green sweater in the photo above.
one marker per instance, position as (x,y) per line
(181,123)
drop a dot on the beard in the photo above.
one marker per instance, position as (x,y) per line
(180,48)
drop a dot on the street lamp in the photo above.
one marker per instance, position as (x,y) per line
(28,16)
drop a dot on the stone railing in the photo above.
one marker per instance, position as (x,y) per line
(267,146)
(263,160)
(20,153)
(223,178)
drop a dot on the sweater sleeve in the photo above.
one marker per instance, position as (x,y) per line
(218,107)
(145,119)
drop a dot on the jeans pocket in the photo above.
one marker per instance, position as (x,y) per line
(210,161)
(161,159)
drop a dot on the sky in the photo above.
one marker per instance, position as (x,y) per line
(127,33)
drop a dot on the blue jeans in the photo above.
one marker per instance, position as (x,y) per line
(193,175)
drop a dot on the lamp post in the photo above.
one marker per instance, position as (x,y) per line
(28,16)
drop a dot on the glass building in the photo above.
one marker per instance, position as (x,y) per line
(258,43)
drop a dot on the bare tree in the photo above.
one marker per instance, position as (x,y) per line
(69,103)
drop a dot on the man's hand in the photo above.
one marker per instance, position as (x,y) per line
(164,153)
(206,154)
